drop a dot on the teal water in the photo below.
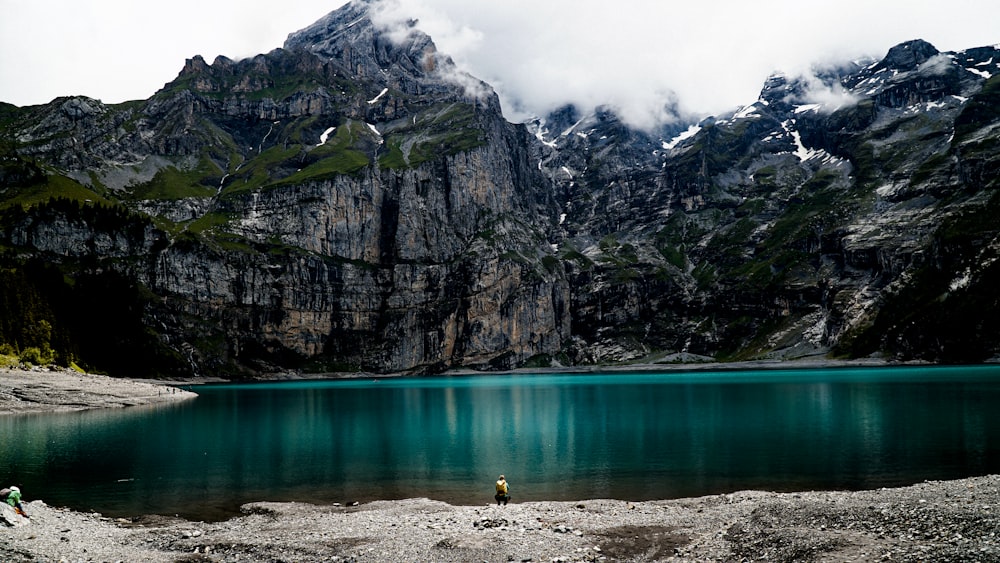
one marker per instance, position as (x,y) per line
(556,437)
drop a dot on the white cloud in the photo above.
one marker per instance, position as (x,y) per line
(637,55)
(938,64)
(393,19)
(118,50)
(708,56)
(829,96)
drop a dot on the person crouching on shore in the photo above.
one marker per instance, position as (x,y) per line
(503,491)
(12,496)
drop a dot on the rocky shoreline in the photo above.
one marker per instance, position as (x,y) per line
(45,390)
(931,521)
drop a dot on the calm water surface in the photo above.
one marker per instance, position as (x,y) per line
(556,437)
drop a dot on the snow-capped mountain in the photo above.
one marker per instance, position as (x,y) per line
(353,201)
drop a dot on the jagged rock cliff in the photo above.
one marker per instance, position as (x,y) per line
(844,212)
(354,202)
(343,202)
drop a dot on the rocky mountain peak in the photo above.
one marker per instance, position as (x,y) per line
(194,65)
(346,204)
(780,89)
(909,55)
(354,37)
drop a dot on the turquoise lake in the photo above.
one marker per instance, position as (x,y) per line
(555,437)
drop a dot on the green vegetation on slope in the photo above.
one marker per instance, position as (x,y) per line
(171,183)
(443,130)
(341,154)
(42,187)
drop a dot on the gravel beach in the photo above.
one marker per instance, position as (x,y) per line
(44,390)
(931,521)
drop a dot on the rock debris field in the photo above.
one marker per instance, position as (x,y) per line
(930,521)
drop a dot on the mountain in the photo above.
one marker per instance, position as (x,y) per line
(847,213)
(356,204)
(352,201)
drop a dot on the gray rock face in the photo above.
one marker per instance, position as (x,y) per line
(788,228)
(908,56)
(10,518)
(349,203)
(350,37)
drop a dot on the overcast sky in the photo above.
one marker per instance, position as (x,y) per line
(709,55)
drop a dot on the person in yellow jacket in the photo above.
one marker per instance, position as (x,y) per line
(503,491)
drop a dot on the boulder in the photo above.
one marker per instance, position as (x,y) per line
(10,518)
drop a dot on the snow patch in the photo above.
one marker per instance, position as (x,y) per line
(375,130)
(747,111)
(540,131)
(808,107)
(375,100)
(691,132)
(981,73)
(355,22)
(804,153)
(325,136)
(801,151)
(572,127)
